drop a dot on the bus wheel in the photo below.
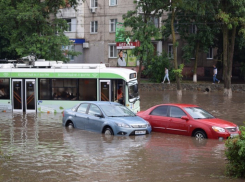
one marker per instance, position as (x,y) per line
(70,125)
(108,131)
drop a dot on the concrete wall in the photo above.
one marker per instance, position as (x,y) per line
(193,87)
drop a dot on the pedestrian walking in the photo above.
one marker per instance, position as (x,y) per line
(215,74)
(166,76)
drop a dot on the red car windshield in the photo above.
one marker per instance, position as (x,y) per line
(198,113)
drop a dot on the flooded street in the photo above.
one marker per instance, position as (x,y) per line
(40,149)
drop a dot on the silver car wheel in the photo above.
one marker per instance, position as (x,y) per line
(70,125)
(108,131)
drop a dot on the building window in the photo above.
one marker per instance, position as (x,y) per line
(210,53)
(193,28)
(176,26)
(113,23)
(113,2)
(72,23)
(155,21)
(112,51)
(66,50)
(94,3)
(169,8)
(170,51)
(94,26)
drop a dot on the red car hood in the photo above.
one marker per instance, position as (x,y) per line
(217,122)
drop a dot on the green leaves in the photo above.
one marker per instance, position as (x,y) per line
(155,68)
(28,28)
(235,153)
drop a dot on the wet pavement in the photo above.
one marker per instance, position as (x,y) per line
(35,147)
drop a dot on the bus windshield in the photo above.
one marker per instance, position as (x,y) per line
(133,91)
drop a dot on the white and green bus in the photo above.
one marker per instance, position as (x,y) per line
(50,86)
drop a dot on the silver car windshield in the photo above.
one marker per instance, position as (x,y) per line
(116,111)
(198,113)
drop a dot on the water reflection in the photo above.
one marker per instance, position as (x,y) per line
(42,150)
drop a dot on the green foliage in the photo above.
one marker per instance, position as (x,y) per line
(142,27)
(28,26)
(235,153)
(178,72)
(197,26)
(155,69)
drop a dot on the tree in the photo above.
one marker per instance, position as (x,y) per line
(171,25)
(231,14)
(197,27)
(30,26)
(141,23)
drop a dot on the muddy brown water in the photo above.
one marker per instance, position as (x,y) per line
(35,147)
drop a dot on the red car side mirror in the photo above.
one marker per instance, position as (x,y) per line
(185,118)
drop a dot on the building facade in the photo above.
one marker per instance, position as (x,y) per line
(75,32)
(92,28)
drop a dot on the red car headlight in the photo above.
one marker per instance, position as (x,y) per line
(218,129)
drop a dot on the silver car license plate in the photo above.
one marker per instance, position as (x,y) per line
(140,132)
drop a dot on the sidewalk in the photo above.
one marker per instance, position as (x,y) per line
(206,80)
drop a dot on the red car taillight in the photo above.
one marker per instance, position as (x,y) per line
(63,114)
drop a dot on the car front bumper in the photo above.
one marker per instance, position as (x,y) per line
(226,135)
(119,131)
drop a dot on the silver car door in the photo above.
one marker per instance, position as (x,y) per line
(95,118)
(80,117)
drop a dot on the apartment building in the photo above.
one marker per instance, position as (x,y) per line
(92,28)
(75,32)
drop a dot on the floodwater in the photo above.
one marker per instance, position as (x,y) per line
(36,148)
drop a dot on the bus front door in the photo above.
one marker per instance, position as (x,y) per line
(23,93)
(17,94)
(105,87)
(30,100)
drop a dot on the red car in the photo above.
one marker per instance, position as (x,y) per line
(190,120)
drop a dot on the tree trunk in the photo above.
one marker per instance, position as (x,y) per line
(139,72)
(229,63)
(179,91)
(195,65)
(225,55)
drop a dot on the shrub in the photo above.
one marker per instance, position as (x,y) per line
(235,153)
(155,68)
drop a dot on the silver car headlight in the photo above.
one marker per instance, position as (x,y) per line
(237,128)
(218,129)
(123,125)
(148,124)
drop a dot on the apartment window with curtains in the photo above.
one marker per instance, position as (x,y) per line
(94,26)
(171,51)
(210,53)
(94,3)
(113,23)
(112,51)
(113,2)
(72,24)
